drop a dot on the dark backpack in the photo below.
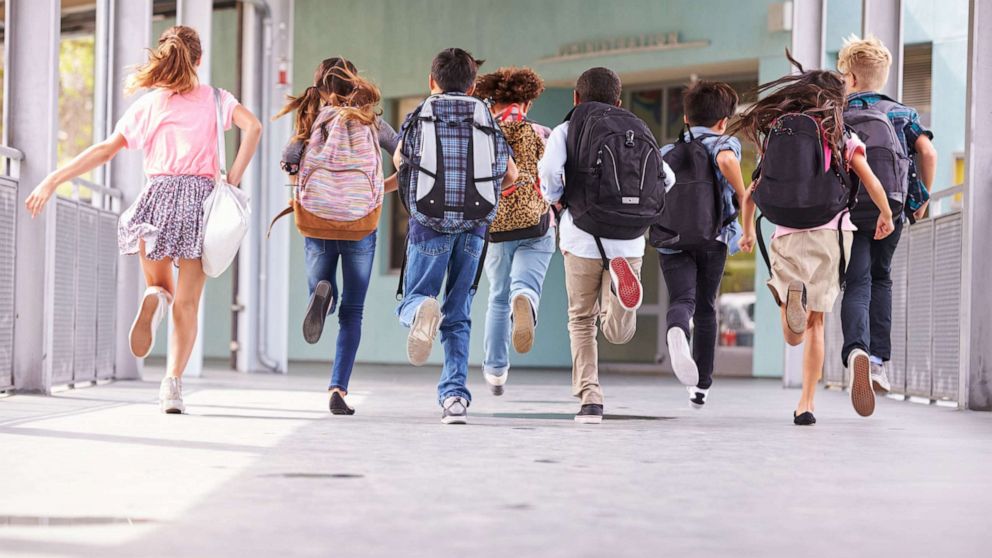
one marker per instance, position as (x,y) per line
(793,189)
(886,157)
(694,206)
(614,176)
(454,157)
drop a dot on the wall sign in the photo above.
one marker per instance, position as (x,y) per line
(622,45)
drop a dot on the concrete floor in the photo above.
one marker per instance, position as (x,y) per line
(259,468)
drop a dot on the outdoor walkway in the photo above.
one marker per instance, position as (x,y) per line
(259,468)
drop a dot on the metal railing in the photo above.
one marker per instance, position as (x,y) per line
(83,290)
(926,307)
(9,175)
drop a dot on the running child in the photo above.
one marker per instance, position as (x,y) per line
(165,224)
(453,163)
(803,187)
(901,153)
(603,221)
(698,229)
(522,236)
(337,126)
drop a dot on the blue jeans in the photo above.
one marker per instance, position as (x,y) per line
(356,268)
(427,263)
(866,309)
(514,267)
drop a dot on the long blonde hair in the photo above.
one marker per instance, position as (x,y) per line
(172,64)
(335,83)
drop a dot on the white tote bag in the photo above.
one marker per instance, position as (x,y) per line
(226,213)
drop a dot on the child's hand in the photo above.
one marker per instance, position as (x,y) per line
(884,227)
(39,197)
(746,242)
(922,211)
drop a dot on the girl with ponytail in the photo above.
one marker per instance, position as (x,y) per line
(337,115)
(174,124)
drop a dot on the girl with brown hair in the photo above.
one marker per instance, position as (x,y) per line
(804,262)
(175,126)
(337,131)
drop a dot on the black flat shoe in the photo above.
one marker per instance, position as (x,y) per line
(805,419)
(320,302)
(338,405)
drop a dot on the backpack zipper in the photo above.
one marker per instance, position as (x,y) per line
(615,176)
(644,169)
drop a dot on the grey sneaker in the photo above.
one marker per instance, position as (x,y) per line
(454,410)
(420,341)
(879,380)
(590,413)
(495,382)
(170,396)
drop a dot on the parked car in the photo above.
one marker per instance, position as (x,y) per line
(737,319)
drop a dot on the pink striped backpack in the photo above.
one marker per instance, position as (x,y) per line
(341,171)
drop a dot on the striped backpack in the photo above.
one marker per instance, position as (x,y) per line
(341,172)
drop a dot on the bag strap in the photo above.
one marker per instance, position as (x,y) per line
(482,263)
(602,253)
(761,243)
(221,148)
(843,256)
(281,214)
(399,286)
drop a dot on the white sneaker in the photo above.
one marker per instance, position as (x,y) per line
(170,396)
(154,306)
(454,410)
(697,396)
(420,341)
(682,363)
(495,382)
(879,379)
(862,395)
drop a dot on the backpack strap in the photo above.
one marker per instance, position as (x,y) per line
(761,243)
(602,253)
(281,214)
(843,255)
(482,263)
(399,286)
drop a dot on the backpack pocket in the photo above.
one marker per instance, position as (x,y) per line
(339,195)
(628,169)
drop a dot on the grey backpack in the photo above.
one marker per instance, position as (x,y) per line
(886,157)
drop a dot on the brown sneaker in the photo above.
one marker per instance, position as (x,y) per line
(862,394)
(795,307)
(523,324)
(420,341)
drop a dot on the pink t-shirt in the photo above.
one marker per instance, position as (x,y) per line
(177,133)
(852,146)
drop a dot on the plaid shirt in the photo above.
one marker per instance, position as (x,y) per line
(454,157)
(908,127)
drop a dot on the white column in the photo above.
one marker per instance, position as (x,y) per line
(264,262)
(809,28)
(197,14)
(883,19)
(976,350)
(131,33)
(33,28)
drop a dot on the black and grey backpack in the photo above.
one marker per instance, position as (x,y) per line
(886,157)
(694,206)
(614,176)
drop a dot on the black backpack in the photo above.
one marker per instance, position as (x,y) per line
(614,176)
(694,206)
(886,157)
(793,189)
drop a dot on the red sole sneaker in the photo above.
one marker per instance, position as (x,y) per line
(862,394)
(626,285)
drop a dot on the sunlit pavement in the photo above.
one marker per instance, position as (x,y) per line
(260,468)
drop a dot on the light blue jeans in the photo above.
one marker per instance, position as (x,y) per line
(514,267)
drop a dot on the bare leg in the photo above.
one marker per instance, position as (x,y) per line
(812,361)
(158,273)
(185,310)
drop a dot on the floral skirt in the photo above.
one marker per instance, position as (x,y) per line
(168,216)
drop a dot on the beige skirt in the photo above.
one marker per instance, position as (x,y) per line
(812,257)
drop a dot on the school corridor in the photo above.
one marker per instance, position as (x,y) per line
(259,468)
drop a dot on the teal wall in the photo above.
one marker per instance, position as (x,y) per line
(393,42)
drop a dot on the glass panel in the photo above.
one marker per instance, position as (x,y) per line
(647,106)
(674,119)
(77,74)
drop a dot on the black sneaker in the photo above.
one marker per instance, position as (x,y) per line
(805,419)
(590,413)
(454,410)
(320,302)
(338,405)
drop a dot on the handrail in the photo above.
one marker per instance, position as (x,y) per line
(946,192)
(11,153)
(100,189)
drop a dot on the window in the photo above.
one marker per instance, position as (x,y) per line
(917,70)
(398,217)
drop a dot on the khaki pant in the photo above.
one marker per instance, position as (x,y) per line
(590,297)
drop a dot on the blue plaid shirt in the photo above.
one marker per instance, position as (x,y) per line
(715,143)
